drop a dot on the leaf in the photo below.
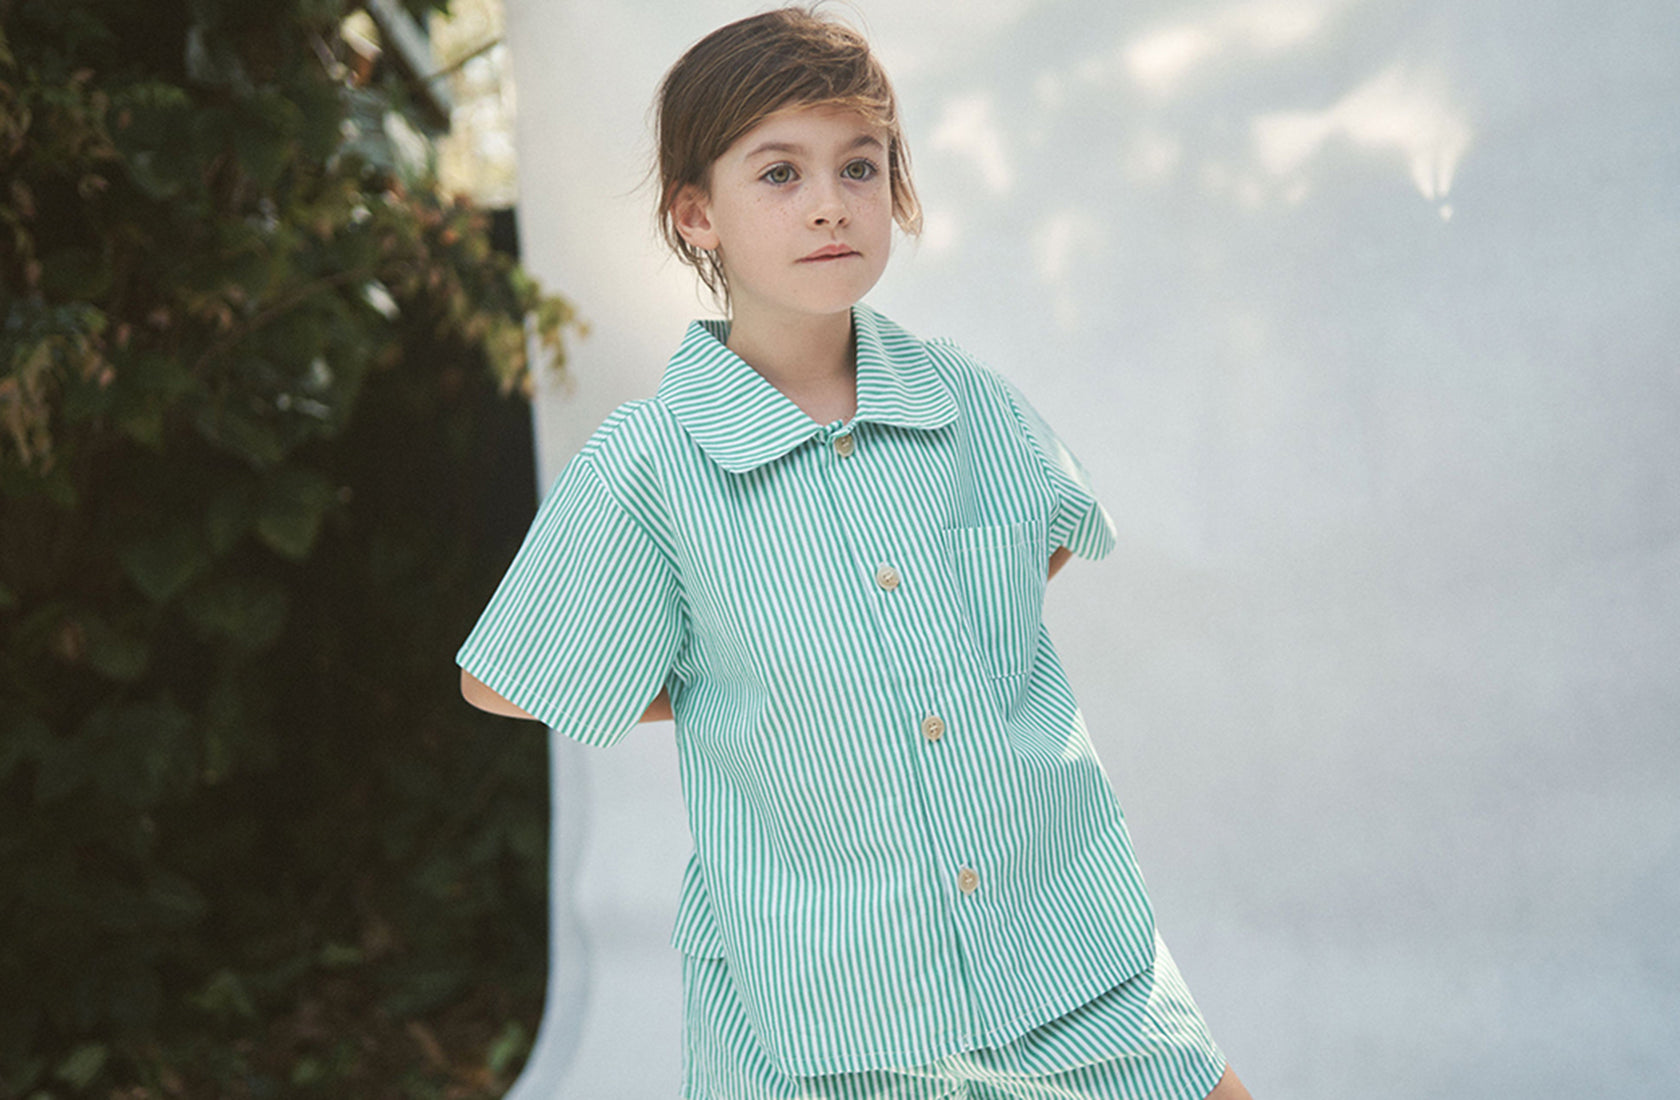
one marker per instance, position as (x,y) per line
(337,956)
(308,1071)
(248,612)
(510,1045)
(113,653)
(164,376)
(75,273)
(223,722)
(289,517)
(228,516)
(160,565)
(147,385)
(246,436)
(23,737)
(61,767)
(176,900)
(419,989)
(224,997)
(154,144)
(211,60)
(27,1071)
(54,485)
(319,108)
(139,753)
(133,994)
(156,175)
(142,423)
(264,142)
(83,1065)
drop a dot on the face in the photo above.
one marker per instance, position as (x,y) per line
(800,210)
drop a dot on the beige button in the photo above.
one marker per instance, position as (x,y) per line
(887,577)
(933,727)
(843,445)
(968,880)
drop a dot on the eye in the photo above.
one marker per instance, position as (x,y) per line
(778,174)
(860,169)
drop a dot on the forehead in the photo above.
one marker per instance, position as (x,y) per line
(812,127)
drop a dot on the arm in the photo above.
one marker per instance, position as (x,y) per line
(1059,559)
(659,710)
(482,696)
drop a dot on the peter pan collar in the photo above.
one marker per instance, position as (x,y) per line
(742,421)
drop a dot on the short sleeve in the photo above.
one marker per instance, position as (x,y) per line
(1080,522)
(582,629)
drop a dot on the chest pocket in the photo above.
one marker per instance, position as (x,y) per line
(999,574)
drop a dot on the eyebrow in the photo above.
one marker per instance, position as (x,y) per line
(799,150)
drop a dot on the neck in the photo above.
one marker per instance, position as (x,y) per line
(799,355)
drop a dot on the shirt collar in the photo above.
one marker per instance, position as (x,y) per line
(742,421)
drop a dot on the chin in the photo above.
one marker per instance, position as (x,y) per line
(827,304)
(817,298)
(841,298)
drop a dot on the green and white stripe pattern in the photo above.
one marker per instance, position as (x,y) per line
(870,714)
(1142,1040)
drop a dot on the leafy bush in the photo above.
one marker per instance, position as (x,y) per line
(263,453)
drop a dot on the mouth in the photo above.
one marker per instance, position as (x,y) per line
(829,252)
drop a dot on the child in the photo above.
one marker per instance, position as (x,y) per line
(822,548)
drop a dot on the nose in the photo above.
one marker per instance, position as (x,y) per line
(828,207)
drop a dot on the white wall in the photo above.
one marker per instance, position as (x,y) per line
(1362,316)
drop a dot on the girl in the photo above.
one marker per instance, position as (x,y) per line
(822,547)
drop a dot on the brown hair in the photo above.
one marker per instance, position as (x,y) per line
(739,75)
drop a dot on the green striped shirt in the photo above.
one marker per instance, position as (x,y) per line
(904,843)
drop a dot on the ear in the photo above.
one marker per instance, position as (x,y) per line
(691,212)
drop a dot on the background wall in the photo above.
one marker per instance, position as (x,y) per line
(1362,317)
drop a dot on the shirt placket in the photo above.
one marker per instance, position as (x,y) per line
(943,722)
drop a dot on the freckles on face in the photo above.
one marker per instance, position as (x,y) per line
(802,209)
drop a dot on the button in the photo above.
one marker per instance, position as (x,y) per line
(933,727)
(843,445)
(967,880)
(887,577)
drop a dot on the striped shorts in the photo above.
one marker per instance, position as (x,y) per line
(1142,1040)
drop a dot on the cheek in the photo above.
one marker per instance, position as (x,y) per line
(879,204)
(880,214)
(754,218)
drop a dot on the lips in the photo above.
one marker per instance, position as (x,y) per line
(829,252)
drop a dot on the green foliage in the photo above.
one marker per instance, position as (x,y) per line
(256,379)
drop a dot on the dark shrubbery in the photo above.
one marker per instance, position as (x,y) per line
(263,454)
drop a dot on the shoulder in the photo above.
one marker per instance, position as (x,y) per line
(633,442)
(985,394)
(958,368)
(635,428)
(980,385)
(957,364)
(972,379)
(626,456)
